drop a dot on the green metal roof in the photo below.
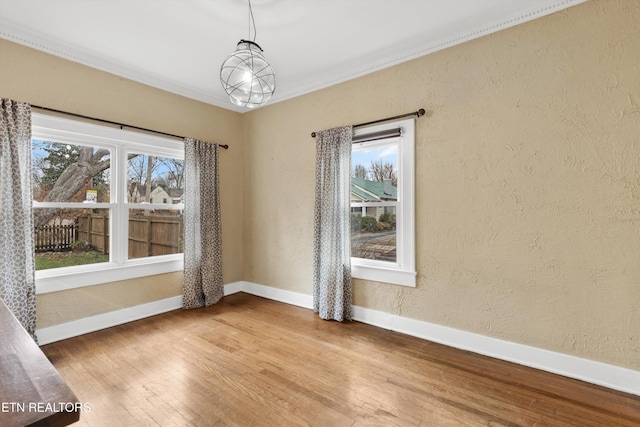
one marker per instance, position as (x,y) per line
(372,191)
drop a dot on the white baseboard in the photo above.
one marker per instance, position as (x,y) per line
(117,317)
(106,320)
(288,297)
(610,376)
(233,288)
(599,373)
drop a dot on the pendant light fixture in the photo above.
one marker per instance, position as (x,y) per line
(246,75)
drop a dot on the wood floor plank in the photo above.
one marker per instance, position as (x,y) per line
(249,361)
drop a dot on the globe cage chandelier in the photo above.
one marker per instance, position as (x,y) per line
(246,75)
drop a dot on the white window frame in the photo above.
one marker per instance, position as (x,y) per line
(403,271)
(58,129)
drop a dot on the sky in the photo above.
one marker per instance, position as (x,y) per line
(386,153)
(38,152)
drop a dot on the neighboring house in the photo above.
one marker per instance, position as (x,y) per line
(365,191)
(137,194)
(177,195)
(158,195)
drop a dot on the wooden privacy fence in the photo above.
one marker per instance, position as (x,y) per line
(94,229)
(154,235)
(55,237)
(149,235)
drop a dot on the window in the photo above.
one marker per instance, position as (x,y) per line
(382,204)
(106,201)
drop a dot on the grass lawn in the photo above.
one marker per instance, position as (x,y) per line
(48,260)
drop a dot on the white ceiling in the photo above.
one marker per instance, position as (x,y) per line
(179,45)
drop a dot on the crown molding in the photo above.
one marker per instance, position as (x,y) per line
(357,68)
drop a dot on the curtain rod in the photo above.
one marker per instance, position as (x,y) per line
(418,113)
(122,125)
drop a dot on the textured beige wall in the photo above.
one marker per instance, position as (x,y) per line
(528,183)
(41,79)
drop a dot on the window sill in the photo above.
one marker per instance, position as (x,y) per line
(62,279)
(384,275)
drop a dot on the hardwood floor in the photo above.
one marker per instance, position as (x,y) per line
(249,361)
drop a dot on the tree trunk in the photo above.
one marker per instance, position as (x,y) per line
(148,180)
(72,180)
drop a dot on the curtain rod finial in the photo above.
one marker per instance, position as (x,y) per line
(420,112)
(313,134)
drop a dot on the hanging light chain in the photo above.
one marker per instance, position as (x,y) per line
(252,21)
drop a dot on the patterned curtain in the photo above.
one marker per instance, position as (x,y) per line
(203,284)
(331,238)
(17,274)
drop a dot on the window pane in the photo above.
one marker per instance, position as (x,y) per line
(374,180)
(155,232)
(153,179)
(376,164)
(57,176)
(71,237)
(373,233)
